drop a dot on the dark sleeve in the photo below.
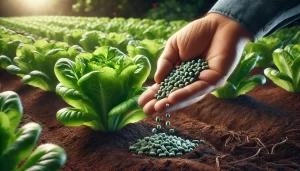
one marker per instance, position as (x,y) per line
(260,17)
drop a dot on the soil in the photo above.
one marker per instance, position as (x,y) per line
(257,131)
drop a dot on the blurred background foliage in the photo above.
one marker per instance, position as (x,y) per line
(155,9)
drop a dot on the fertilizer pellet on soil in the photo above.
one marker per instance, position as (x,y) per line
(163,145)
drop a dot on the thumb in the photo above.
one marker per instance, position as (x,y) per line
(167,61)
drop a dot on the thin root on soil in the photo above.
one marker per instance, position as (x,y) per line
(277,144)
(218,162)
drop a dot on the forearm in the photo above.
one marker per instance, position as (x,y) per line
(259,17)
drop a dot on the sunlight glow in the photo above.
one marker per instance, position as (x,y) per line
(35,5)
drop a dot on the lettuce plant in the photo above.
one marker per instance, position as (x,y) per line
(118,40)
(152,49)
(102,88)
(287,61)
(73,36)
(16,147)
(90,40)
(9,42)
(237,83)
(35,63)
(264,49)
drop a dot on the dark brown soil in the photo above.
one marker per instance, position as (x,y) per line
(234,131)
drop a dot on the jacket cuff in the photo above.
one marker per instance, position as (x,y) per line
(260,16)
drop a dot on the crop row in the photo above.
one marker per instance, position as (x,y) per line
(255,54)
(138,28)
(76,75)
(90,40)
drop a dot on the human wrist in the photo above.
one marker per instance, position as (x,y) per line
(223,22)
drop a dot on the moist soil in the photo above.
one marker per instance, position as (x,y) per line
(257,131)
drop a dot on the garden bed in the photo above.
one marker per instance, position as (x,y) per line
(234,131)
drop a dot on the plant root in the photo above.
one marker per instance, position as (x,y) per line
(277,144)
(218,162)
(248,158)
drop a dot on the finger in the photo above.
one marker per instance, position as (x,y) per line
(212,77)
(160,106)
(184,104)
(167,60)
(198,87)
(148,95)
(149,107)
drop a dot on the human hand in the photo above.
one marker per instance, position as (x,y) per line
(218,39)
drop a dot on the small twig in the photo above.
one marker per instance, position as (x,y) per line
(261,144)
(227,141)
(247,138)
(292,130)
(258,141)
(273,148)
(218,162)
(251,157)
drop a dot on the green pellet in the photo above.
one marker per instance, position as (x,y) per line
(152,153)
(157,146)
(171,154)
(195,141)
(168,115)
(158,126)
(132,148)
(179,154)
(162,155)
(171,131)
(174,149)
(167,105)
(154,130)
(157,119)
(168,123)
(202,142)
(159,151)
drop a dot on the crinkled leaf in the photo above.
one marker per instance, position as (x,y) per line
(65,71)
(40,80)
(243,69)
(296,73)
(125,113)
(12,47)
(104,88)
(228,91)
(6,133)
(10,105)
(26,138)
(73,37)
(4,61)
(90,40)
(75,117)
(74,51)
(283,60)
(249,83)
(142,71)
(107,53)
(280,79)
(47,157)
(76,99)
(15,70)
(264,53)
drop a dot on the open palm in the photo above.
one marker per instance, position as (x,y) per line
(216,38)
